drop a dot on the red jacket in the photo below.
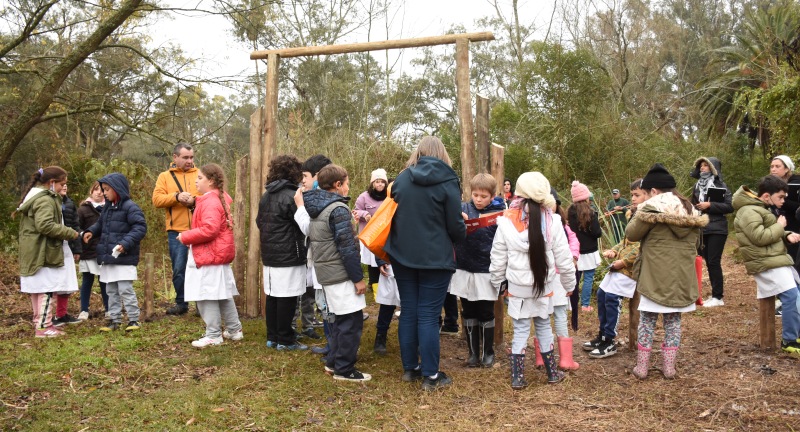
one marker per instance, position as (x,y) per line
(210,237)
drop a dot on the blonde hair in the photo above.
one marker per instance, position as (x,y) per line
(429,146)
(484,182)
(329,175)
(216,175)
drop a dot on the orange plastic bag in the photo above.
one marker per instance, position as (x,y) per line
(698,268)
(376,232)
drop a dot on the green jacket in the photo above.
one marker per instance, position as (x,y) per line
(668,242)
(759,235)
(41,233)
(628,252)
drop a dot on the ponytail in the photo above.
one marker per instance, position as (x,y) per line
(537,254)
(42,176)
(216,175)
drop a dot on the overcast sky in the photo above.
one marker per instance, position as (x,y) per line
(209,39)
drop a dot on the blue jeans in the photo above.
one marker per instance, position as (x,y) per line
(608,312)
(87,281)
(790,316)
(586,288)
(422,294)
(178,254)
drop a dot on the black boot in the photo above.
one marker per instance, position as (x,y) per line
(473,342)
(554,375)
(487,328)
(518,371)
(380,344)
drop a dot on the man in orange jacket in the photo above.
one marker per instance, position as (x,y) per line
(175,192)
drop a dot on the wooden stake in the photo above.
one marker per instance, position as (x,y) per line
(464,99)
(766,323)
(497,165)
(482,135)
(633,321)
(254,241)
(496,169)
(240,229)
(149,285)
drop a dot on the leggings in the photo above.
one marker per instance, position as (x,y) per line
(560,320)
(522,330)
(672,329)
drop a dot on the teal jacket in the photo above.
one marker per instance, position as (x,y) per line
(41,232)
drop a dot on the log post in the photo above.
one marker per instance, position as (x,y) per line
(482,135)
(149,285)
(240,229)
(254,243)
(633,320)
(766,323)
(464,100)
(270,132)
(496,168)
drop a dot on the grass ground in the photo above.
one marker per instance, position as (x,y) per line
(154,380)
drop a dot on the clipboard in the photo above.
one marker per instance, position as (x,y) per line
(717,195)
(794,192)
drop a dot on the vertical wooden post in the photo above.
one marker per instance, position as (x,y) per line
(254,243)
(766,323)
(482,135)
(149,285)
(633,320)
(496,168)
(270,130)
(240,229)
(464,100)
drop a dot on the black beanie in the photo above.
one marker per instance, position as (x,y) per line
(315,163)
(659,178)
(555,195)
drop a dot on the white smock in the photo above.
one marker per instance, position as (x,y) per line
(342,298)
(59,280)
(473,286)
(775,281)
(647,305)
(387,289)
(589,261)
(285,281)
(89,266)
(209,282)
(618,284)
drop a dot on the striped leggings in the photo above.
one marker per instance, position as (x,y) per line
(42,305)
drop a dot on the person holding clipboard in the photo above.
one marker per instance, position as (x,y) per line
(712,197)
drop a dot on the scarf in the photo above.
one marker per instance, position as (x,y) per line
(377,196)
(706,181)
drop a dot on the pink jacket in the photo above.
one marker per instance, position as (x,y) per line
(210,237)
(574,244)
(365,205)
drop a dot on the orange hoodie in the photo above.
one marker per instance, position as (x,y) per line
(178,216)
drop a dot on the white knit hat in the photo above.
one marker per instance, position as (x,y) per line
(535,186)
(379,174)
(786,161)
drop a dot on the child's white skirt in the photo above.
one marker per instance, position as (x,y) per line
(525,307)
(89,266)
(473,286)
(342,298)
(209,282)
(589,261)
(619,284)
(285,281)
(59,280)
(367,257)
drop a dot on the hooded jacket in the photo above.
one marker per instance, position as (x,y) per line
(71,220)
(211,238)
(165,195)
(41,232)
(668,239)
(121,223)
(282,241)
(87,216)
(587,239)
(473,254)
(428,218)
(760,237)
(717,222)
(334,248)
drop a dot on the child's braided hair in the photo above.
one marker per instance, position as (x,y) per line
(216,175)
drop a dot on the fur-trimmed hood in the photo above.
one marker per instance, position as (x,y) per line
(714,163)
(684,221)
(667,209)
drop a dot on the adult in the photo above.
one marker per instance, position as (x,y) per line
(615,211)
(420,246)
(175,192)
(708,172)
(781,166)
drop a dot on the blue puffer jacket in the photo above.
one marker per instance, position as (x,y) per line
(121,223)
(341,225)
(474,253)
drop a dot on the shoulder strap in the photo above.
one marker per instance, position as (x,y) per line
(180,189)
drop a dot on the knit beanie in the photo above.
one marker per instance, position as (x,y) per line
(378,174)
(786,161)
(579,191)
(659,178)
(315,163)
(535,186)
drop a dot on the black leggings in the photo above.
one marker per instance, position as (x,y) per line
(481,310)
(279,316)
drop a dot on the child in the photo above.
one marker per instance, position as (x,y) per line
(471,280)
(366,205)
(338,269)
(619,282)
(121,228)
(209,277)
(528,248)
(584,223)
(88,213)
(70,214)
(388,298)
(760,235)
(668,230)
(43,265)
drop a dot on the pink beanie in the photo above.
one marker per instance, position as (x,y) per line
(579,191)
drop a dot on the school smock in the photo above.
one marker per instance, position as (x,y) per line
(59,280)
(775,281)
(285,281)
(387,289)
(473,286)
(510,262)
(617,283)
(117,272)
(342,298)
(208,282)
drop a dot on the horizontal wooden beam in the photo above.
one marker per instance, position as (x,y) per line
(372,46)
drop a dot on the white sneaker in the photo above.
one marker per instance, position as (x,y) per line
(233,336)
(83,316)
(206,341)
(108,315)
(777,303)
(713,302)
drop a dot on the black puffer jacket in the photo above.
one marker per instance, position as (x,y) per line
(341,225)
(282,242)
(717,222)
(87,216)
(587,239)
(71,220)
(121,223)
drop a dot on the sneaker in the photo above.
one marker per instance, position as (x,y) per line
(109,327)
(592,344)
(779,312)
(271,344)
(354,376)
(239,335)
(66,319)
(207,341)
(607,348)
(791,347)
(713,302)
(441,381)
(178,310)
(293,347)
(587,308)
(412,375)
(48,332)
(107,315)
(311,333)
(397,314)
(324,350)
(317,323)
(449,330)
(133,325)
(328,371)
(83,316)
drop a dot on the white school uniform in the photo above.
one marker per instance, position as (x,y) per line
(60,280)
(209,282)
